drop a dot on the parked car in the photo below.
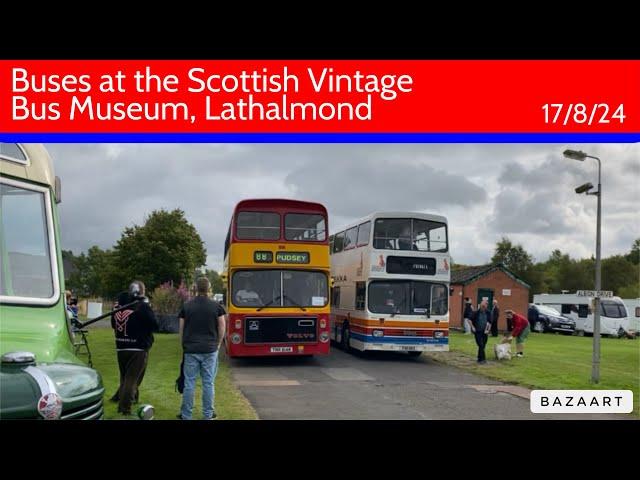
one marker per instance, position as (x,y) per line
(547,319)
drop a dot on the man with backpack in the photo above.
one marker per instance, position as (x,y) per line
(202,328)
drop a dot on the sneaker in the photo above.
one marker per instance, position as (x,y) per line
(115,398)
(180,417)
(212,417)
(519,354)
(482,362)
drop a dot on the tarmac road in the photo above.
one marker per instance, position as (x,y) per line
(378,386)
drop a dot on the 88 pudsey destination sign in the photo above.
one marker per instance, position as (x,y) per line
(292,257)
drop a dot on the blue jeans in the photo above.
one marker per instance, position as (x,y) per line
(205,364)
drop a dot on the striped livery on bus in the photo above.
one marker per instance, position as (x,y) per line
(276,274)
(391,275)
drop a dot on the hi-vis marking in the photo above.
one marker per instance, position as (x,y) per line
(121,320)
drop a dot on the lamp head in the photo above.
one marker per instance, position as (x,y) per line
(584,188)
(575,155)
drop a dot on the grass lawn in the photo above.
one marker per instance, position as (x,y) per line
(157,387)
(554,362)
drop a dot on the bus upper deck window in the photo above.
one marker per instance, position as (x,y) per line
(258,226)
(410,234)
(305,227)
(429,236)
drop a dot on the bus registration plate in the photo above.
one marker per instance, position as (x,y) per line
(281,349)
(407,347)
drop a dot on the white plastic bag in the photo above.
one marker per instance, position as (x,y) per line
(502,351)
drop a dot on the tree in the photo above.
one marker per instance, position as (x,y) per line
(618,272)
(216,282)
(167,248)
(514,257)
(94,274)
(556,261)
(576,275)
(630,291)
(634,255)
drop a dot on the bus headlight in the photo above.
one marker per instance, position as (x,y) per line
(438,334)
(378,333)
(238,324)
(236,338)
(323,323)
(324,337)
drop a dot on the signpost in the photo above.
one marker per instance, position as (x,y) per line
(595,293)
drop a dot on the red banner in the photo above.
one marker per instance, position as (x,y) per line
(278,96)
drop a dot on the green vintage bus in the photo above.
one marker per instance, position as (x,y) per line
(40,377)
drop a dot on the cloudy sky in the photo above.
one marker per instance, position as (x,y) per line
(487,191)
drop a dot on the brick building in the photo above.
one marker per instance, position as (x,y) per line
(492,282)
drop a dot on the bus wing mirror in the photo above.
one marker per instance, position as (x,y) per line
(57,190)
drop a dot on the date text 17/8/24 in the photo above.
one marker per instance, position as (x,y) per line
(580,113)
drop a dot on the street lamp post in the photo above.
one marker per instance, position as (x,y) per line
(578,155)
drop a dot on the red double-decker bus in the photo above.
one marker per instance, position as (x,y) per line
(276,276)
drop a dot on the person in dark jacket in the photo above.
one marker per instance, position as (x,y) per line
(495,315)
(481,325)
(468,316)
(133,328)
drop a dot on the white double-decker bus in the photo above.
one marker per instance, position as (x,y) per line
(390,283)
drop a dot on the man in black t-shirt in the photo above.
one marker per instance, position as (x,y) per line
(202,328)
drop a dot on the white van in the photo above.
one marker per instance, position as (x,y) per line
(613,312)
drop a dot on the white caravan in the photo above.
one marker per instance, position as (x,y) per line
(613,313)
(633,313)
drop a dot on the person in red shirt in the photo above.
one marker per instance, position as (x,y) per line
(520,331)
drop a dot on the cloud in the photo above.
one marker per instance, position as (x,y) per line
(354,187)
(486,190)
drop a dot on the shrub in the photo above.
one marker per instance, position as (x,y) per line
(168,300)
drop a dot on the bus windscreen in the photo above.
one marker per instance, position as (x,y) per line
(405,297)
(279,288)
